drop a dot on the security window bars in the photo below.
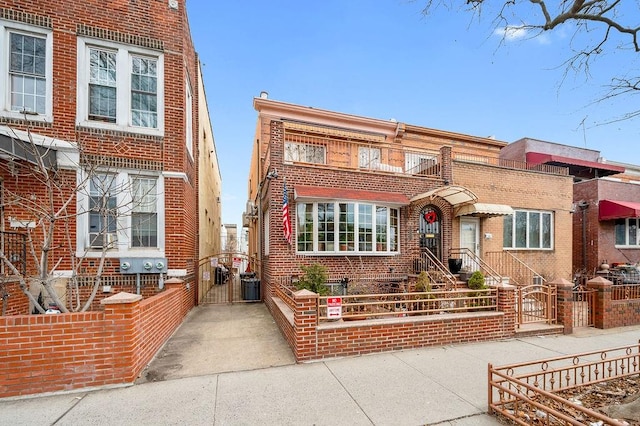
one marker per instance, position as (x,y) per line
(304,153)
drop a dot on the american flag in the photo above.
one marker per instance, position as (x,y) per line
(286,219)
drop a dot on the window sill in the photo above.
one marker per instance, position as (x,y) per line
(116,253)
(38,118)
(121,128)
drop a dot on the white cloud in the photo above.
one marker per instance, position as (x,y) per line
(512,33)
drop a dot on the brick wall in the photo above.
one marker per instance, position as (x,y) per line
(612,313)
(311,340)
(48,353)
(16,301)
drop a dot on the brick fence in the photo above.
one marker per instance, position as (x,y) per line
(312,340)
(48,353)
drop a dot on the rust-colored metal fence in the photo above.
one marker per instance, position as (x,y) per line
(219,279)
(537,304)
(583,303)
(533,386)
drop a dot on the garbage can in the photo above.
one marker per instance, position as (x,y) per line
(251,289)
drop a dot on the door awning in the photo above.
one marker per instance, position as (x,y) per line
(28,146)
(484,210)
(304,192)
(613,209)
(576,166)
(454,195)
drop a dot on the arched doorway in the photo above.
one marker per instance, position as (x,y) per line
(430,231)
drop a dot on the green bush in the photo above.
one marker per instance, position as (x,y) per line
(476,281)
(313,279)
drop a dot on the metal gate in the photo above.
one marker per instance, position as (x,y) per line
(219,278)
(583,301)
(536,304)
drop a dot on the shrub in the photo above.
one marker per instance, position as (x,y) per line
(313,279)
(476,281)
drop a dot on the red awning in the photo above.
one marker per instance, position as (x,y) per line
(575,165)
(613,209)
(324,193)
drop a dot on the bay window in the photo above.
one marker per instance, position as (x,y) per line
(351,227)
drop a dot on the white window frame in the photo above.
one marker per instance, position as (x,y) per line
(124,56)
(390,223)
(369,157)
(188,118)
(627,244)
(528,236)
(122,247)
(7,27)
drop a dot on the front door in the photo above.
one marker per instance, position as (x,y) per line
(430,229)
(470,239)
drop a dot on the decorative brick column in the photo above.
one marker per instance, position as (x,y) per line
(602,302)
(565,303)
(174,283)
(120,314)
(305,322)
(507,305)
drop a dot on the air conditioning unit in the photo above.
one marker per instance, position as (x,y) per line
(250,208)
(245,220)
(99,240)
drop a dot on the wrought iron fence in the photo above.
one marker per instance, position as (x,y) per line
(533,386)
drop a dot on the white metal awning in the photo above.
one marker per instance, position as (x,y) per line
(484,210)
(454,195)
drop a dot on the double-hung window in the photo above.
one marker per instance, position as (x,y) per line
(368,158)
(103,210)
(144,215)
(123,212)
(332,227)
(627,232)
(25,72)
(120,87)
(528,229)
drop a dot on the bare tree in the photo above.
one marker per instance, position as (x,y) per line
(598,26)
(47,197)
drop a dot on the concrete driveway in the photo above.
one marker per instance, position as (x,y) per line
(220,338)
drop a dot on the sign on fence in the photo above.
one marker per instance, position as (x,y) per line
(334,307)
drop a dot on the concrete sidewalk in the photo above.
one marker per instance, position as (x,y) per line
(440,385)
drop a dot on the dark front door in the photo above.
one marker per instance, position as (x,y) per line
(430,231)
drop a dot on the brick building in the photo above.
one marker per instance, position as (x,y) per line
(605,202)
(380,195)
(109,92)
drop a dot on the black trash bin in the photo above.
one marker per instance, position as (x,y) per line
(251,289)
(455,265)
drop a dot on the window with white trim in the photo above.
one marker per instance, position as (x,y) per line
(304,153)
(26,72)
(626,231)
(338,227)
(528,229)
(368,158)
(121,211)
(418,163)
(144,212)
(120,87)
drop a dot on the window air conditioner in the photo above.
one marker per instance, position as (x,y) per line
(98,240)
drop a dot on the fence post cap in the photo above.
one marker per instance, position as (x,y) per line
(120,298)
(561,282)
(304,293)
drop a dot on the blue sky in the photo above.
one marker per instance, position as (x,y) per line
(383,59)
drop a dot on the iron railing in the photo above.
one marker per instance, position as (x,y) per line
(533,386)
(377,306)
(472,262)
(508,265)
(510,164)
(439,275)
(14,247)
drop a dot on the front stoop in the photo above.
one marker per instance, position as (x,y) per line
(538,329)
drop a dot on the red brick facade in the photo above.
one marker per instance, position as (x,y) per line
(153,26)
